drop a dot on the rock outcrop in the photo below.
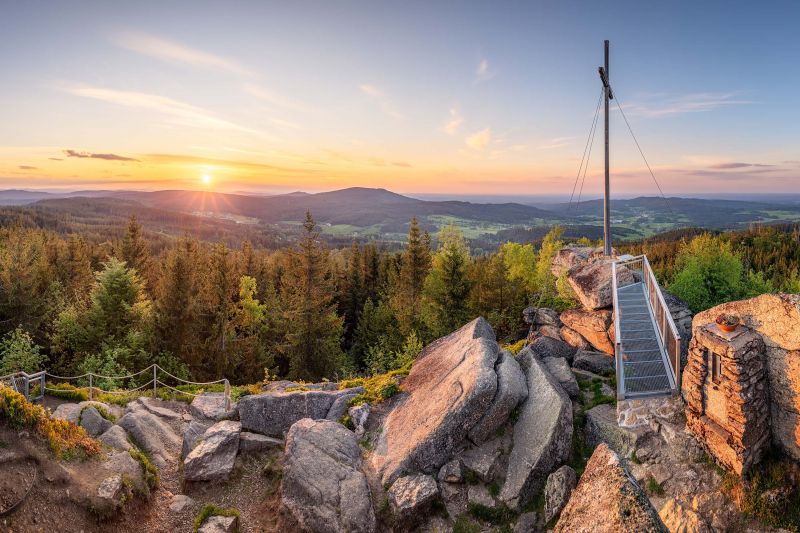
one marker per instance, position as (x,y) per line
(550,347)
(115,437)
(153,433)
(592,283)
(93,422)
(411,498)
(273,413)
(595,362)
(323,487)
(574,339)
(607,500)
(511,389)
(594,326)
(210,407)
(213,458)
(557,491)
(559,369)
(542,434)
(450,388)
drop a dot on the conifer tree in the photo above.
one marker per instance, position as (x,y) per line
(447,287)
(313,327)
(135,250)
(415,264)
(353,297)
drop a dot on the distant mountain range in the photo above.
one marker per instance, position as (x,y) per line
(359,212)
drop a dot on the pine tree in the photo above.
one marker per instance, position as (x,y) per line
(313,327)
(135,250)
(415,264)
(176,305)
(253,325)
(447,287)
(353,294)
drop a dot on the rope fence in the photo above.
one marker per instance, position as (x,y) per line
(21,382)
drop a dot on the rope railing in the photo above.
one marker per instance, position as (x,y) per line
(92,387)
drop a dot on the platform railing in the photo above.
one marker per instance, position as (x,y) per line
(668,336)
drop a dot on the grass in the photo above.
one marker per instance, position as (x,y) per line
(378,388)
(464,524)
(66,391)
(516,347)
(148,469)
(769,496)
(210,510)
(654,487)
(496,516)
(66,440)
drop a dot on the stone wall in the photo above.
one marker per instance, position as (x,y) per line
(729,416)
(776,317)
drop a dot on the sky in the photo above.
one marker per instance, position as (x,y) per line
(414,96)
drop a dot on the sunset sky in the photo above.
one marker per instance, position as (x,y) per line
(417,97)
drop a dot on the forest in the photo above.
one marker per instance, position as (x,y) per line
(309,311)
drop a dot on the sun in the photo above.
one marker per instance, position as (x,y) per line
(206,179)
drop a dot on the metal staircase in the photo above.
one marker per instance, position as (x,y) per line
(647,343)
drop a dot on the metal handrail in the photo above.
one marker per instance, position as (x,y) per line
(660,314)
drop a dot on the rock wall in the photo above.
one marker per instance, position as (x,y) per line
(776,317)
(730,416)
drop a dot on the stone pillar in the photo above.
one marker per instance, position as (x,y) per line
(729,414)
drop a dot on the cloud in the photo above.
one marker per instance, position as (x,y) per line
(690,103)
(180,112)
(482,72)
(173,52)
(453,122)
(55,159)
(182,159)
(728,166)
(27,167)
(273,98)
(557,142)
(480,139)
(379,96)
(89,155)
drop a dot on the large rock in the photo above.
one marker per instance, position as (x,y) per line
(560,370)
(273,413)
(776,317)
(210,407)
(213,458)
(193,434)
(123,463)
(592,283)
(153,434)
(71,412)
(255,443)
(595,362)
(359,414)
(451,386)
(511,390)
(220,524)
(93,422)
(572,256)
(681,518)
(542,434)
(484,460)
(607,500)
(540,316)
(323,487)
(115,437)
(557,491)
(594,326)
(574,339)
(602,427)
(411,498)
(551,347)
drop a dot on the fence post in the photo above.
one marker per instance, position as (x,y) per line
(227,395)
(155,382)
(90,387)
(27,387)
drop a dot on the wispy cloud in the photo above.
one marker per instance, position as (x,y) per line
(273,98)
(736,165)
(174,52)
(483,72)
(453,122)
(90,155)
(379,96)
(178,112)
(480,139)
(27,167)
(557,142)
(690,103)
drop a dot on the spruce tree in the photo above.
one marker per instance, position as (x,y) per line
(353,297)
(415,264)
(135,250)
(313,327)
(447,287)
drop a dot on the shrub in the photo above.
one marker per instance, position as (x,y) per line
(463,524)
(654,487)
(148,469)
(210,510)
(516,347)
(18,353)
(66,440)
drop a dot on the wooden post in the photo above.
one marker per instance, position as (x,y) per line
(607,197)
(155,382)
(90,387)
(227,395)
